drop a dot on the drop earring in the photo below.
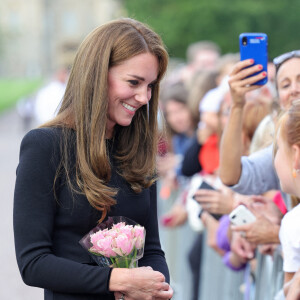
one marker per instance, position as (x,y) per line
(295,172)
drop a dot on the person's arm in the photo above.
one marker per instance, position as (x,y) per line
(258,174)
(292,288)
(190,164)
(231,147)
(233,261)
(231,143)
(211,225)
(35,211)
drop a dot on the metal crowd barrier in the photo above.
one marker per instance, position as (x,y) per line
(269,275)
(217,282)
(176,244)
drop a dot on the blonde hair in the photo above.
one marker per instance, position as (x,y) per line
(253,114)
(288,125)
(84,108)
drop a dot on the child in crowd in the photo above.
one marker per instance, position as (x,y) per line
(287,165)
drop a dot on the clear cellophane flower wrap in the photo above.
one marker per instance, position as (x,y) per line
(118,243)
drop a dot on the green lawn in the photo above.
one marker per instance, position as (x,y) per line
(11,90)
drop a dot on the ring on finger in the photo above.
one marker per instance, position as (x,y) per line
(243,234)
(122,297)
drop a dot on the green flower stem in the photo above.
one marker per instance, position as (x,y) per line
(112,260)
(134,256)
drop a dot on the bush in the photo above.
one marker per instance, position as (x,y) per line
(12,90)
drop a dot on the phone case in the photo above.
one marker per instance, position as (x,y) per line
(255,46)
(241,215)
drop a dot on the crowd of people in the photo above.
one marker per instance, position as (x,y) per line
(220,141)
(232,148)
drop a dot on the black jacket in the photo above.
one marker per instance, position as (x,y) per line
(47,230)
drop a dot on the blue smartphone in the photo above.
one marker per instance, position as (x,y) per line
(255,46)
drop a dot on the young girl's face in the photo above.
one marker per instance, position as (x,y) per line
(283,165)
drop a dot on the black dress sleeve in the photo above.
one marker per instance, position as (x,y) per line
(153,254)
(190,163)
(34,214)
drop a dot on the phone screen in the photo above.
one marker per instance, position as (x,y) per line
(255,46)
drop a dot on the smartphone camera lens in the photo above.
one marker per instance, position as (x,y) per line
(244,41)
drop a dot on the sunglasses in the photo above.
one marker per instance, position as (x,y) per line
(279,60)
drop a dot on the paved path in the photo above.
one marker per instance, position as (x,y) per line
(11,284)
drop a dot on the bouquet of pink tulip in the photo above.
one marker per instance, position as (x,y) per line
(118,242)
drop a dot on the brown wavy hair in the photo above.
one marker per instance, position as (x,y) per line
(84,109)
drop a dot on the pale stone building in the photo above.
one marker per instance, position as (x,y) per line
(39,36)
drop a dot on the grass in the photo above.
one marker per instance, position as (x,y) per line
(11,90)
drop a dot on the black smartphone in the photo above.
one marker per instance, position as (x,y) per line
(255,46)
(204,185)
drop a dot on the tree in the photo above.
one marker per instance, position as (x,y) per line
(183,22)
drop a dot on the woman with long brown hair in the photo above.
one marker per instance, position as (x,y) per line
(95,159)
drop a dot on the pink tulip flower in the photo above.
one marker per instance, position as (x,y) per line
(123,245)
(103,246)
(140,236)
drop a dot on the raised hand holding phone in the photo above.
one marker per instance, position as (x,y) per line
(249,73)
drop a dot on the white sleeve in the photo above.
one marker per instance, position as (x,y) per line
(290,241)
(193,208)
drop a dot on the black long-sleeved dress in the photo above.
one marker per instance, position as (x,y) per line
(47,229)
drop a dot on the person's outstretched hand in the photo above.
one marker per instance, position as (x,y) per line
(215,201)
(262,231)
(241,247)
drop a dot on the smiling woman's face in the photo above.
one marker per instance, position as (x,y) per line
(130,87)
(288,82)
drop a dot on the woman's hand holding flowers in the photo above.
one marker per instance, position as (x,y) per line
(140,283)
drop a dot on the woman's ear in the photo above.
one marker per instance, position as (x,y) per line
(296,157)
